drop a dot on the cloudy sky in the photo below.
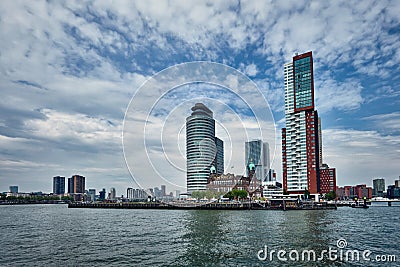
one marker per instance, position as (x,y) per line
(69,69)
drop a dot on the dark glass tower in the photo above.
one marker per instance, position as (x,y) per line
(58,185)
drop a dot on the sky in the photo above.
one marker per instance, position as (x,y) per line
(69,71)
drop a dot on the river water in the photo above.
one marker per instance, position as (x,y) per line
(53,235)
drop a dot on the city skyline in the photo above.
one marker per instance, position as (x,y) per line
(68,71)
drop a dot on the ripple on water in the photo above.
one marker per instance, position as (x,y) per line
(51,235)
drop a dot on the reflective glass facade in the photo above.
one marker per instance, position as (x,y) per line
(257,153)
(200,147)
(303,82)
(219,158)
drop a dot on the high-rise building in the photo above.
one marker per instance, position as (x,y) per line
(136,194)
(219,157)
(102,194)
(327,179)
(163,190)
(113,193)
(76,184)
(300,143)
(379,188)
(257,153)
(320,142)
(58,185)
(13,189)
(157,192)
(129,193)
(200,147)
(92,194)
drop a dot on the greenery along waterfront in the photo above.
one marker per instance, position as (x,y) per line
(33,199)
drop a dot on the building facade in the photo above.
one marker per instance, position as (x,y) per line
(393,192)
(200,147)
(76,187)
(226,182)
(102,194)
(59,185)
(300,142)
(379,188)
(91,194)
(13,189)
(327,179)
(219,157)
(113,194)
(136,194)
(76,184)
(352,192)
(257,153)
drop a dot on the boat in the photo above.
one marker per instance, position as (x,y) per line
(359,206)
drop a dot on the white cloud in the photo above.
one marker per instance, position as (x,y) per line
(331,94)
(79,127)
(358,156)
(386,123)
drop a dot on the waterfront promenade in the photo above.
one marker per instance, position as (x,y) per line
(202,206)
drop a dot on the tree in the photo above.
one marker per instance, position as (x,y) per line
(198,194)
(67,198)
(242,194)
(229,195)
(330,196)
(239,194)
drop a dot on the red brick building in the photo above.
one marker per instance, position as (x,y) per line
(327,179)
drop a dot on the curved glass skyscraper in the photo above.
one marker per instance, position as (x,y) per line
(200,147)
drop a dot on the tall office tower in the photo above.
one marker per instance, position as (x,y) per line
(58,185)
(257,153)
(300,146)
(200,147)
(76,184)
(219,157)
(378,187)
